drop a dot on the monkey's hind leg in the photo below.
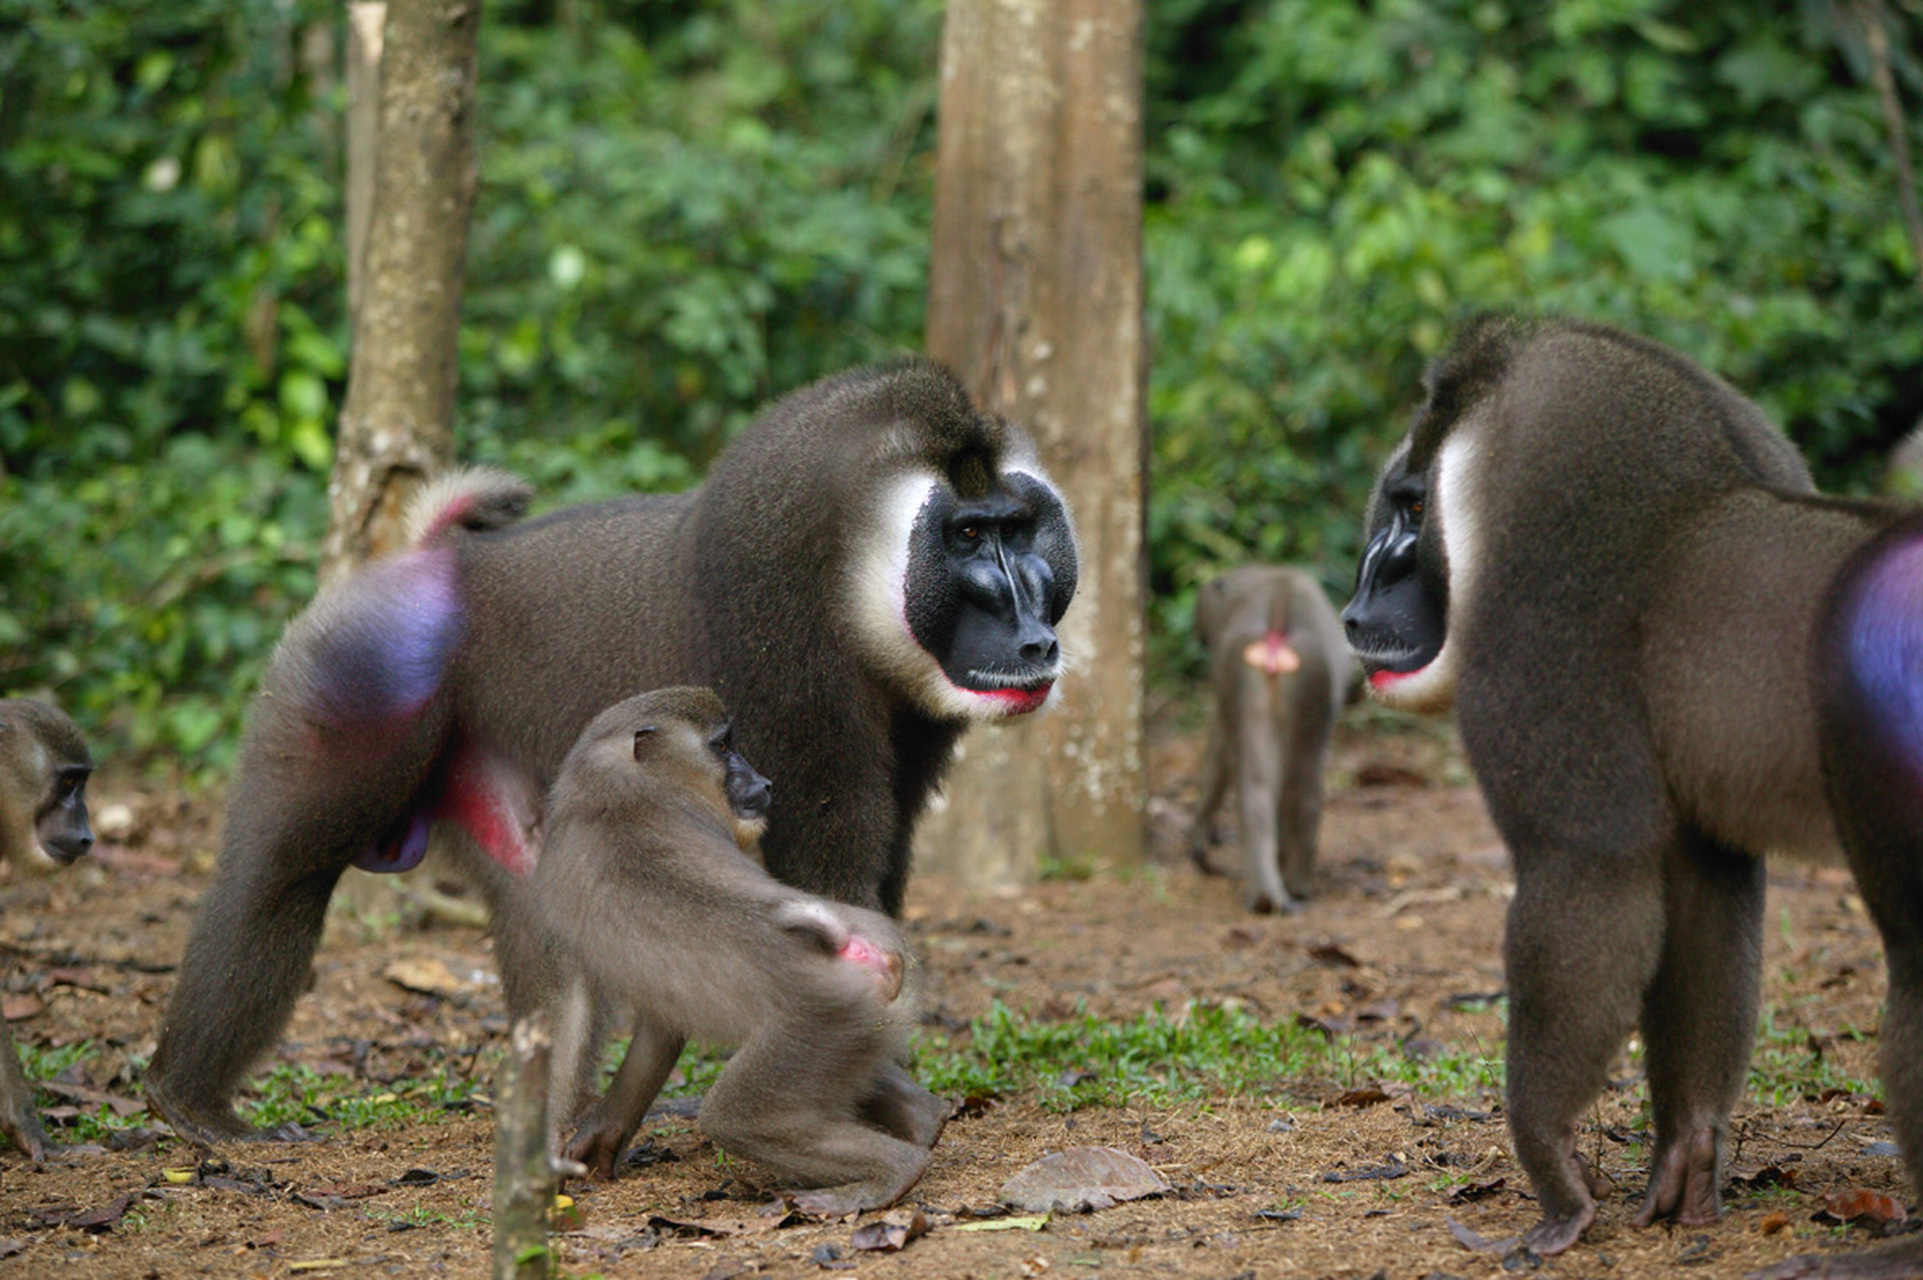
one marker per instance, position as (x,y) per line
(247,961)
(1699,1020)
(1258,795)
(899,1105)
(1215,784)
(790,1102)
(1569,1014)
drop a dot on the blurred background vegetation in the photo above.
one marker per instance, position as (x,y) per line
(689,206)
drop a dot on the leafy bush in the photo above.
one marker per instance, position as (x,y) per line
(1344,183)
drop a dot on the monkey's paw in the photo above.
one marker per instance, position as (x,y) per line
(597,1147)
(217,1126)
(1682,1181)
(1554,1235)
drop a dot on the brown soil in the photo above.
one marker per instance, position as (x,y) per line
(1413,889)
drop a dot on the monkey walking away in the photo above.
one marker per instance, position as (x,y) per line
(1668,655)
(44,767)
(873,565)
(649,904)
(1279,670)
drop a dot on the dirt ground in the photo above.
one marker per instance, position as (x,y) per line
(1407,923)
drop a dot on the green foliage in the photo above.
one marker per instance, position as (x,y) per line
(1343,183)
(1158,1058)
(689,206)
(296,1093)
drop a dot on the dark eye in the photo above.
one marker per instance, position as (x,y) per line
(1415,508)
(969,533)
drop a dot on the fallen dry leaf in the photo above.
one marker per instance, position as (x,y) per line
(95,1097)
(894,1232)
(1003,1224)
(20,1008)
(425,974)
(1860,1205)
(1775,1222)
(1469,1239)
(1082,1178)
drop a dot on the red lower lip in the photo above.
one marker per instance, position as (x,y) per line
(1020,701)
(1383,679)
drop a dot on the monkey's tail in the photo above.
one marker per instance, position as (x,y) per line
(470,498)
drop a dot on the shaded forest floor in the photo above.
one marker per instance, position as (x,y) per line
(1319,1176)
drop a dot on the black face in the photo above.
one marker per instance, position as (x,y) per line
(61,824)
(1398,618)
(988,579)
(749,794)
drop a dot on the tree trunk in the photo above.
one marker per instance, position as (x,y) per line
(366,20)
(1036,301)
(523,1178)
(397,428)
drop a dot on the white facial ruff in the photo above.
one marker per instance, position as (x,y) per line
(879,601)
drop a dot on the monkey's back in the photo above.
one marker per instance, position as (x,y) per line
(526,586)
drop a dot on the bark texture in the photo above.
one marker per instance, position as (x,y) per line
(1036,301)
(397,428)
(523,1178)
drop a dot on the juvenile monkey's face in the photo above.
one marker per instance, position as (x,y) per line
(749,794)
(58,832)
(960,592)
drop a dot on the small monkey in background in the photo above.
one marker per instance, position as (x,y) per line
(1279,668)
(652,908)
(44,767)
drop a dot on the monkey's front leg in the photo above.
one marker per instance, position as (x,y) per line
(1583,938)
(19,1117)
(1699,1020)
(607,1126)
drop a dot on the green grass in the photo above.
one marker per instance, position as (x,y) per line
(298,1093)
(1199,1053)
(1212,1051)
(1204,1052)
(1783,1067)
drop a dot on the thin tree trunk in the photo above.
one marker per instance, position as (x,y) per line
(1876,33)
(366,20)
(523,1178)
(1036,301)
(397,428)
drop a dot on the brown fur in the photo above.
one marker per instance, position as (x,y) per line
(1636,571)
(44,767)
(649,906)
(1269,732)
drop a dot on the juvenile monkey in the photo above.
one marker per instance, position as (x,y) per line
(1279,669)
(650,906)
(44,768)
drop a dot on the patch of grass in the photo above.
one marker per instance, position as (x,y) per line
(422,1216)
(1785,1066)
(1207,1051)
(297,1093)
(90,1125)
(1202,1051)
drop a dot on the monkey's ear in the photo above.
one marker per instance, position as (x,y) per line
(641,737)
